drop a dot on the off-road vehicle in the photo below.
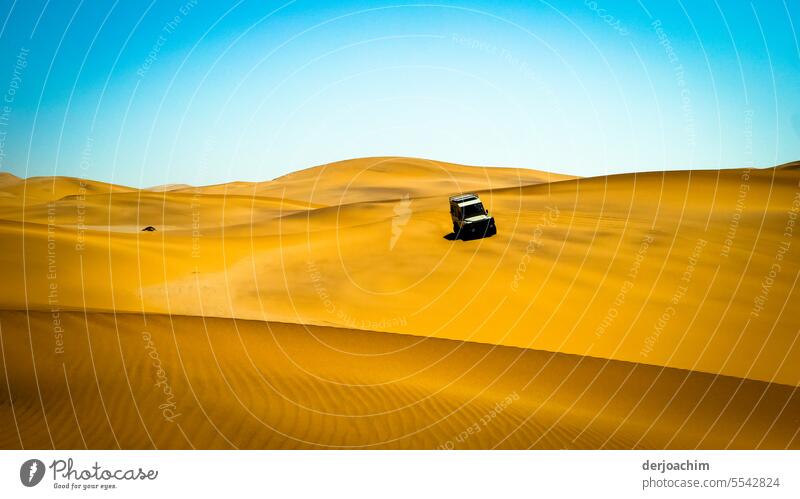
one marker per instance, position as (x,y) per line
(470,218)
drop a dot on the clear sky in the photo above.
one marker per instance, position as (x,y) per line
(200,92)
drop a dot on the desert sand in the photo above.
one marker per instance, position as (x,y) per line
(331,308)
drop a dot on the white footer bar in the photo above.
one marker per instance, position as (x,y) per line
(354,474)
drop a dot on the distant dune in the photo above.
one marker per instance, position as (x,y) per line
(169,187)
(794,165)
(377,179)
(328,308)
(8,179)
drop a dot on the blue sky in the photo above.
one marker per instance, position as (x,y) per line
(200,92)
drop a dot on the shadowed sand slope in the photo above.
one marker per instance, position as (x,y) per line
(217,383)
(695,271)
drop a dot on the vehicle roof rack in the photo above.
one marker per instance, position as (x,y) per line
(460,198)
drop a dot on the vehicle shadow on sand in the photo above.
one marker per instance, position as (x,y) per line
(465,237)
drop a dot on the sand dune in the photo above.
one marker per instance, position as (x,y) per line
(249,384)
(667,297)
(376,179)
(36,190)
(168,187)
(8,179)
(794,165)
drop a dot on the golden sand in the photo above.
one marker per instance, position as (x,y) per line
(331,307)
